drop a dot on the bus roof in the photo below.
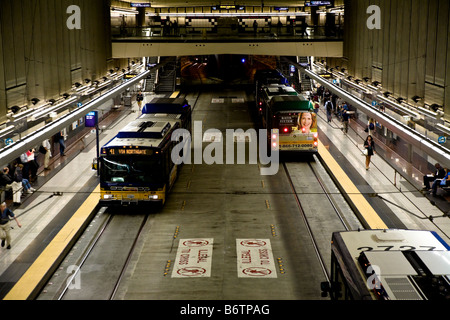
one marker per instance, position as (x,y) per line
(280,89)
(142,133)
(290,103)
(167,105)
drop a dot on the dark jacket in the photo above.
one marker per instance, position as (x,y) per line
(4,216)
(440,173)
(5,179)
(370,147)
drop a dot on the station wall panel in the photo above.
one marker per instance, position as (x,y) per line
(39,54)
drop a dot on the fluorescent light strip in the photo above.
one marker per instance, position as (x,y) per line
(443,128)
(45,112)
(230,14)
(398,106)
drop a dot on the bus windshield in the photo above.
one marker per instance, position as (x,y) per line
(132,169)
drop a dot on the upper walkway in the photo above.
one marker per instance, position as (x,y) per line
(154,41)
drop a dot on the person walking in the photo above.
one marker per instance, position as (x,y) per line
(5,228)
(370,126)
(345,119)
(369,145)
(139,99)
(329,107)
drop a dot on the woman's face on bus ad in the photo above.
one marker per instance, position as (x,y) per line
(305,121)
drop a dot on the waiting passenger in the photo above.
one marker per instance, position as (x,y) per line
(439,173)
(440,182)
(47,147)
(18,176)
(8,181)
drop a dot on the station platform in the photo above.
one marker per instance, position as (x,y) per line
(391,189)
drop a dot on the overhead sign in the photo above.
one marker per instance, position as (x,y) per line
(318,3)
(91,119)
(442,139)
(194,257)
(255,258)
(140,5)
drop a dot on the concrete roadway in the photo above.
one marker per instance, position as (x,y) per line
(219,204)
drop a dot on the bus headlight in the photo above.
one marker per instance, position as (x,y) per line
(108,196)
(153,196)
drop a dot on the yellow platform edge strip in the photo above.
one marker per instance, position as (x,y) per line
(28,283)
(365,210)
(175,94)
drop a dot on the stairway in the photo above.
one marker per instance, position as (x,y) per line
(305,81)
(149,82)
(167,76)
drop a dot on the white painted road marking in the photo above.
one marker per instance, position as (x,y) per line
(194,257)
(255,258)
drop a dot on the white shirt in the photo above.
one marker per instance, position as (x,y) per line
(46,145)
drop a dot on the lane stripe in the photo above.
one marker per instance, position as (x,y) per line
(33,278)
(368,216)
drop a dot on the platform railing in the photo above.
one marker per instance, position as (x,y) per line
(226,33)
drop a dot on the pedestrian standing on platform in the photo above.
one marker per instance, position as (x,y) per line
(48,153)
(370,126)
(5,227)
(62,146)
(345,119)
(279,26)
(439,173)
(329,107)
(255,27)
(26,166)
(369,145)
(175,28)
(139,99)
(32,164)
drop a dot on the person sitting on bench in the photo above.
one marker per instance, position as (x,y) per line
(438,174)
(444,182)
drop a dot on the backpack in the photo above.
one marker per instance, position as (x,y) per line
(24,158)
(371,126)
